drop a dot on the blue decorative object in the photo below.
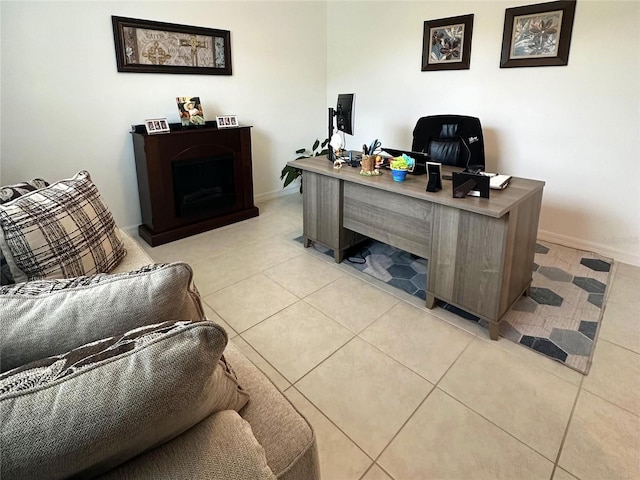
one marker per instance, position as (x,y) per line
(398,175)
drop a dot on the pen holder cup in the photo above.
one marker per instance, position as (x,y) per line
(398,175)
(368,163)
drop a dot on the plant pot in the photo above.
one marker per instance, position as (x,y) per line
(398,175)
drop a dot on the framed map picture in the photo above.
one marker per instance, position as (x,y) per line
(143,46)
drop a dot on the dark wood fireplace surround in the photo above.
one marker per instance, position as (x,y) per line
(155,154)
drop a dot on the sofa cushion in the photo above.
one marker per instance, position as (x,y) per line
(136,255)
(61,231)
(93,408)
(222,446)
(48,317)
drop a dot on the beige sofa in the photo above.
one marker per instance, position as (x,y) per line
(119,375)
(287,438)
(147,387)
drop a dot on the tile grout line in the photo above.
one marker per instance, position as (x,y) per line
(435,386)
(333,423)
(578,395)
(556,463)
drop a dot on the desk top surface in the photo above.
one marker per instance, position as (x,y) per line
(498,204)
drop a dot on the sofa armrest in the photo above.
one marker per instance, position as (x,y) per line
(285,434)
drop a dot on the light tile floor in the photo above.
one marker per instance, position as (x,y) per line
(396,391)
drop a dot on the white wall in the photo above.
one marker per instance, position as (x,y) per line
(66,108)
(575,127)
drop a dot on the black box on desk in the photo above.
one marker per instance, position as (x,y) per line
(470,184)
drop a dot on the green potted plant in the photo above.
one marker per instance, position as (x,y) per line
(289,173)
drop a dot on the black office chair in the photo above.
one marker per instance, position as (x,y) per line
(455,140)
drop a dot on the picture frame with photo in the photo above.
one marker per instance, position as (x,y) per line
(446,43)
(227,121)
(190,111)
(537,35)
(157,125)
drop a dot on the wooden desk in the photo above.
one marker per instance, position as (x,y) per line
(480,251)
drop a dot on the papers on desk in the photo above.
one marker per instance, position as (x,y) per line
(499,182)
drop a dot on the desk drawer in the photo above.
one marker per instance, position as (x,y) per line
(391,218)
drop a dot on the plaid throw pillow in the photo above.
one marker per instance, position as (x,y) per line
(61,231)
(8,193)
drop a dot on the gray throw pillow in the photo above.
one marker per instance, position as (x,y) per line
(48,317)
(87,411)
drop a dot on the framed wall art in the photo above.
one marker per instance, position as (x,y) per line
(227,121)
(537,35)
(143,46)
(446,43)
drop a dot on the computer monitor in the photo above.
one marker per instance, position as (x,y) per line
(344,113)
(344,118)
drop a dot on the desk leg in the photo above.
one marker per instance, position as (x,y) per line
(431,301)
(338,255)
(306,242)
(494,330)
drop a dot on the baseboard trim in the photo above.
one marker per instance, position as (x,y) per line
(600,249)
(567,241)
(281,192)
(131,230)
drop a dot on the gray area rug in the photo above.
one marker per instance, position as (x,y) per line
(560,319)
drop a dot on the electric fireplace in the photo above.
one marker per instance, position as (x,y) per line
(192,180)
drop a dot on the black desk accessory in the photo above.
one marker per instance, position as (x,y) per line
(434,182)
(464,183)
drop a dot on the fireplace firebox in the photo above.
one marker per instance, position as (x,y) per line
(192,180)
(203,184)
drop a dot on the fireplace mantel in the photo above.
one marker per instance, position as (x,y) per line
(214,153)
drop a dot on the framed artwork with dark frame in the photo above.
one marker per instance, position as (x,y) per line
(537,35)
(143,46)
(446,43)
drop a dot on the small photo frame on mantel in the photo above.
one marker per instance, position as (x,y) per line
(157,125)
(227,121)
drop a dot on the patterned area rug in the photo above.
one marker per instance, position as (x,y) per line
(561,317)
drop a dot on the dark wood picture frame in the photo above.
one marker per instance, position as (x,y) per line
(170,48)
(543,34)
(446,43)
